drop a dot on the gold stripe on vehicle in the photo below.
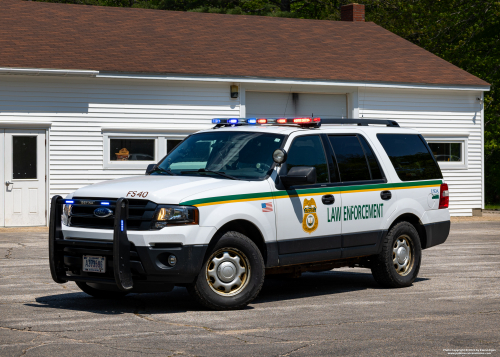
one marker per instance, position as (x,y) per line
(308,194)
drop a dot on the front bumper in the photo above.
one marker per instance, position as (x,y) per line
(128,264)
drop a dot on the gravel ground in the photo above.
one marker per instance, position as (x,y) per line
(451,308)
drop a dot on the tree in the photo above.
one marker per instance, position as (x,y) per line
(465,33)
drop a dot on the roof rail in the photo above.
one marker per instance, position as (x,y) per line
(360,122)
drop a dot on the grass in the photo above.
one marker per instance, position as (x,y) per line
(493,206)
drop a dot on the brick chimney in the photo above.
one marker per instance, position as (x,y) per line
(352,12)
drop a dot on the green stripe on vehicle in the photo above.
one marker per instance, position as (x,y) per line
(306,191)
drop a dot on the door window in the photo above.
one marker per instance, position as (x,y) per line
(23,157)
(308,151)
(375,170)
(351,159)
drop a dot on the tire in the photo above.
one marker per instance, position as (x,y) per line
(398,263)
(100,293)
(231,276)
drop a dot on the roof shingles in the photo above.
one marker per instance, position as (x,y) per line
(46,35)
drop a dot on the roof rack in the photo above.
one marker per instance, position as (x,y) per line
(360,122)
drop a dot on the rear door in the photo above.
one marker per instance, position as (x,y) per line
(366,201)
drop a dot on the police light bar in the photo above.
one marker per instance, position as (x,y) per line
(314,122)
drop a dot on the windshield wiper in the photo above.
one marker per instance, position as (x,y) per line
(163,170)
(211,171)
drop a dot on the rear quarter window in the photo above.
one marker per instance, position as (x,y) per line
(410,157)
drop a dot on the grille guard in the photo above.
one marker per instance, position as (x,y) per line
(121,248)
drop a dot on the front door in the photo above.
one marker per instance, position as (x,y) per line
(308,217)
(24,175)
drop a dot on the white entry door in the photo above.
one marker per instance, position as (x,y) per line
(24,175)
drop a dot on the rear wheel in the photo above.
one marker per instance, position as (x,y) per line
(398,264)
(232,276)
(101,293)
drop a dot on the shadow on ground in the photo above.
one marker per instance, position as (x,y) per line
(178,300)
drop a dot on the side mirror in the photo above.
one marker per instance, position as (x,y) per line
(150,168)
(299,175)
(279,156)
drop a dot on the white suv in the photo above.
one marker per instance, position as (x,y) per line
(253,197)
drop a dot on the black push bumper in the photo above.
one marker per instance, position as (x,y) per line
(128,267)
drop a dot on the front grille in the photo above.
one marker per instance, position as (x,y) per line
(140,214)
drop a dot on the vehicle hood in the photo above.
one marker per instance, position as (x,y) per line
(156,188)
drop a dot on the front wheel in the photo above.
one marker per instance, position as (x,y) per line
(232,276)
(398,263)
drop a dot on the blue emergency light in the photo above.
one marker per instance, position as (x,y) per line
(69,201)
(105,203)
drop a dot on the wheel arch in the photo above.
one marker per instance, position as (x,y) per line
(245,227)
(415,221)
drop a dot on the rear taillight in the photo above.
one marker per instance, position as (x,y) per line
(444,196)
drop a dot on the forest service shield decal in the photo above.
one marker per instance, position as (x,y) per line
(310,221)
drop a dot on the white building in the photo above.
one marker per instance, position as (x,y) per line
(79,83)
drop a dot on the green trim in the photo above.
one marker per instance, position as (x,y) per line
(286,193)
(262,195)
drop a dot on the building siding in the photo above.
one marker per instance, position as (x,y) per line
(79,109)
(435,113)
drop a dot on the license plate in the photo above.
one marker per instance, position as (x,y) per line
(93,264)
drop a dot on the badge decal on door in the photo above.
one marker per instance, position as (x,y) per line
(310,220)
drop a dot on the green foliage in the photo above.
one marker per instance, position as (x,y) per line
(463,32)
(497,207)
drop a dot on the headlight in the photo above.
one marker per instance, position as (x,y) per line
(66,214)
(171,215)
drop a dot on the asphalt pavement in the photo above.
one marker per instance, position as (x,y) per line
(452,308)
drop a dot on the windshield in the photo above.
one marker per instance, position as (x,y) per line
(223,154)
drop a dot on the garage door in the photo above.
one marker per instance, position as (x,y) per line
(272,105)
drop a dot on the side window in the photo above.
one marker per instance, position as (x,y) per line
(308,151)
(132,149)
(372,161)
(410,157)
(447,152)
(350,158)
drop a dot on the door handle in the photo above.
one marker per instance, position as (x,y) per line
(386,195)
(7,183)
(328,199)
